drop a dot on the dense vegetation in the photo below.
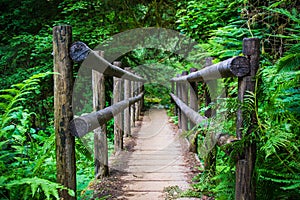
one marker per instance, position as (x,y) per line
(27,142)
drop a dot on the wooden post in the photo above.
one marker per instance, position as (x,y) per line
(245,178)
(139,88)
(133,106)
(193,96)
(100,137)
(210,87)
(118,127)
(194,105)
(173,84)
(184,96)
(63,84)
(137,103)
(143,101)
(127,95)
(178,94)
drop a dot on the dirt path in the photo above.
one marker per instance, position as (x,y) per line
(156,162)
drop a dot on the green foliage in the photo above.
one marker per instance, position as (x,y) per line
(275,103)
(199,18)
(49,188)
(26,108)
(10,107)
(27,153)
(156,94)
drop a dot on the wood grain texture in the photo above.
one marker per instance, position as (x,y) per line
(63,84)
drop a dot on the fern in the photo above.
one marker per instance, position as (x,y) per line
(289,181)
(10,98)
(49,189)
(18,148)
(291,59)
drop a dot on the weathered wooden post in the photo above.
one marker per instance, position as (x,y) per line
(132,107)
(137,106)
(210,88)
(134,93)
(118,125)
(245,179)
(173,85)
(139,88)
(194,105)
(100,137)
(193,96)
(178,94)
(143,100)
(127,111)
(184,98)
(63,85)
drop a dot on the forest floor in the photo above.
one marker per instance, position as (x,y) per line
(155,164)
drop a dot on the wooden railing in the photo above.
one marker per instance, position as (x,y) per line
(184,94)
(66,127)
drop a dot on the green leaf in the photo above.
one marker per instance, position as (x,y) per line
(8,128)
(6,97)
(71,193)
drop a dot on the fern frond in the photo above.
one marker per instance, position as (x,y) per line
(290,62)
(3,106)
(291,15)
(18,85)
(289,180)
(7,97)
(12,91)
(48,188)
(292,187)
(276,141)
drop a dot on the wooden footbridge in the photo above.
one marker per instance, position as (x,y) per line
(157,160)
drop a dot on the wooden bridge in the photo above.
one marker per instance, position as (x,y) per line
(157,160)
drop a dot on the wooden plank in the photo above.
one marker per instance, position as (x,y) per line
(81,52)
(233,67)
(100,137)
(63,84)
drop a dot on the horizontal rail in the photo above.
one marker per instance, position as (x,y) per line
(92,60)
(80,126)
(190,113)
(220,139)
(238,66)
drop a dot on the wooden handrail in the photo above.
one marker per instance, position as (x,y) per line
(233,67)
(80,126)
(81,52)
(194,116)
(65,127)
(245,69)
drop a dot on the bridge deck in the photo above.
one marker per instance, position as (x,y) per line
(156,162)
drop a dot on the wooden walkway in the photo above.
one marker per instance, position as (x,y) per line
(157,161)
